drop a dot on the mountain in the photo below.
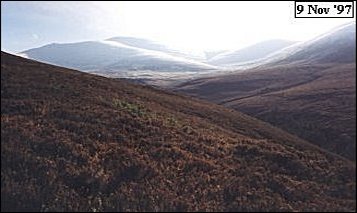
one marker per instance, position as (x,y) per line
(72,141)
(118,59)
(156,46)
(210,54)
(141,43)
(338,46)
(310,92)
(249,54)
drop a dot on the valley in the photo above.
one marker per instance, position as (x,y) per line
(313,99)
(220,106)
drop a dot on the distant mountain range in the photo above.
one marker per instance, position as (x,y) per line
(136,57)
(116,55)
(141,58)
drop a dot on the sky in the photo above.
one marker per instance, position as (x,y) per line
(192,26)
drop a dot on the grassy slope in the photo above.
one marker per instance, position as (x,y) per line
(315,102)
(74,141)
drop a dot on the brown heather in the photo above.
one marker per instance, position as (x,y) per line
(316,102)
(71,141)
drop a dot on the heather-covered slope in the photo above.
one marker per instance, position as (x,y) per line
(72,141)
(309,91)
(314,102)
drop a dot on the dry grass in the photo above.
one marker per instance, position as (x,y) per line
(77,142)
(314,102)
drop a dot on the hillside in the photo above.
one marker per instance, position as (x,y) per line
(338,45)
(156,46)
(250,53)
(118,57)
(72,141)
(316,103)
(310,92)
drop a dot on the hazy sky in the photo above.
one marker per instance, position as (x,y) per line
(186,25)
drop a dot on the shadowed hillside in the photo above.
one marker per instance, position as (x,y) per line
(72,141)
(315,102)
(309,91)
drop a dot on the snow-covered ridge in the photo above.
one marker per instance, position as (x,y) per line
(133,57)
(157,54)
(250,53)
(337,41)
(111,55)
